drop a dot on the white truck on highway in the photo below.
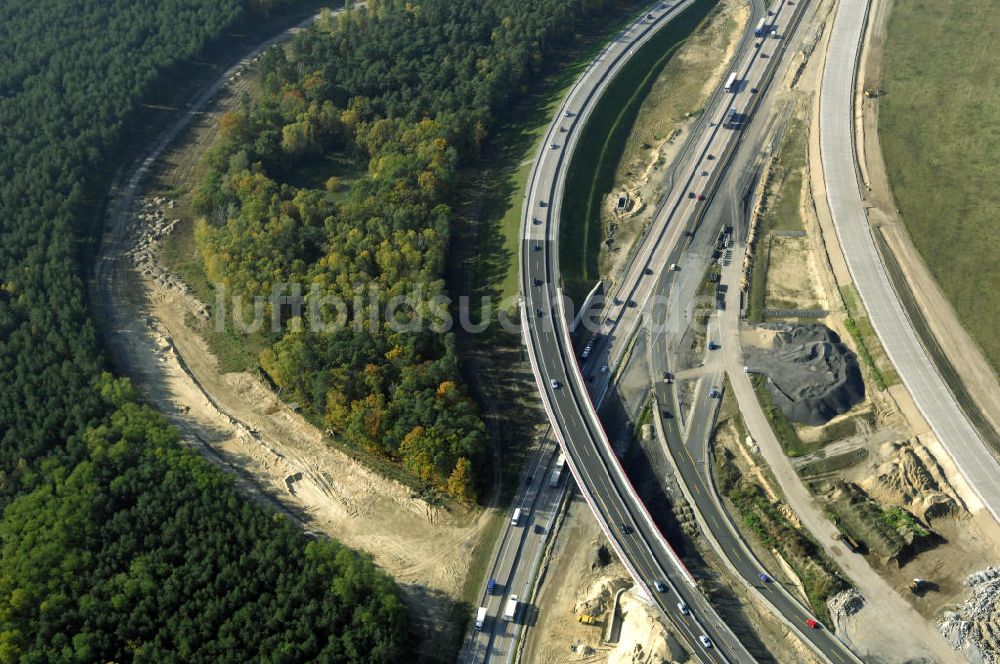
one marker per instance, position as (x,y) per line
(557,472)
(510,611)
(480,618)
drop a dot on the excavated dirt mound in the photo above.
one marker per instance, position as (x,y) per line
(912,478)
(599,596)
(812,375)
(644,640)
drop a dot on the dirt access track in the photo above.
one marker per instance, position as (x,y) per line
(276,456)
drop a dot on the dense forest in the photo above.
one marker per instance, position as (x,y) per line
(117,544)
(145,551)
(408,91)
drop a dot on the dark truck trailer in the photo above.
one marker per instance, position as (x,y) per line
(763,28)
(734,120)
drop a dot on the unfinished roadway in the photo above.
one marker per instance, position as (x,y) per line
(848,210)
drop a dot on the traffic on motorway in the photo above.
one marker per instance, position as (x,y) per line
(505,599)
(679,216)
(686,438)
(564,387)
(629,526)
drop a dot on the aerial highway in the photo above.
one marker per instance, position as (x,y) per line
(687,435)
(688,449)
(691,457)
(848,210)
(517,559)
(629,527)
(695,181)
(662,245)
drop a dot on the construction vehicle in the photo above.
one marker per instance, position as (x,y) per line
(587,619)
(851,543)
(916,585)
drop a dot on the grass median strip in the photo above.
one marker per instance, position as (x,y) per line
(869,347)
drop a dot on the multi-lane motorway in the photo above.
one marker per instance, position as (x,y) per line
(646,553)
(564,386)
(694,184)
(629,527)
(517,560)
(689,451)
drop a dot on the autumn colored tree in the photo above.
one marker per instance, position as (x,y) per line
(407,91)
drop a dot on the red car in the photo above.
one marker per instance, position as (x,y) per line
(812,623)
(701,197)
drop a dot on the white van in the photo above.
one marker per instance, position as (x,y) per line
(516,518)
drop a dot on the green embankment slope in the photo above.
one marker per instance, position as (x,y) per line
(592,170)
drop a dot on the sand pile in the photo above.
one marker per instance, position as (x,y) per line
(599,596)
(812,375)
(643,637)
(910,477)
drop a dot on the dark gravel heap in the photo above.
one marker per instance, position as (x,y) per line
(813,376)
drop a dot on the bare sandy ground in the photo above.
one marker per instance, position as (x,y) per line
(278,456)
(792,276)
(573,584)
